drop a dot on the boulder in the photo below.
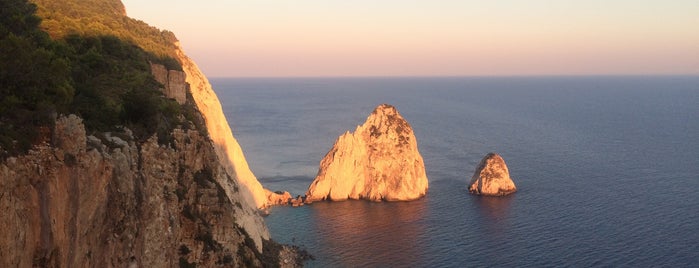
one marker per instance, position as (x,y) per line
(297,202)
(277,198)
(492,177)
(380,161)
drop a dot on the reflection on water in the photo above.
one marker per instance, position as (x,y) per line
(494,208)
(494,211)
(388,232)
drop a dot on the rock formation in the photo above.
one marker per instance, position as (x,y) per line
(173,81)
(492,177)
(297,202)
(379,161)
(86,201)
(278,198)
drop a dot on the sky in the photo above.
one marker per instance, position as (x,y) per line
(310,38)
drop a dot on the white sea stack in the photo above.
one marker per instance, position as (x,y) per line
(492,177)
(380,161)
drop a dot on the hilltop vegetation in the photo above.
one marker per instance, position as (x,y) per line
(66,66)
(106,17)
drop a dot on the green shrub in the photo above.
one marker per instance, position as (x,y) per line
(34,77)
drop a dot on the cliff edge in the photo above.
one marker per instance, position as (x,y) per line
(380,161)
(226,147)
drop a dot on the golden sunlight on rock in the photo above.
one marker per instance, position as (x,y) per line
(228,151)
(492,177)
(380,161)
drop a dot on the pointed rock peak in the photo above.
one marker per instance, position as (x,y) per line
(386,119)
(492,157)
(380,161)
(385,112)
(492,177)
(384,109)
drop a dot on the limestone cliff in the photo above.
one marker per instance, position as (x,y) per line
(173,81)
(117,199)
(227,148)
(84,201)
(492,177)
(379,161)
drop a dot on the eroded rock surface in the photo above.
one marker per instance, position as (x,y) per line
(380,161)
(80,201)
(226,146)
(173,81)
(492,177)
(278,198)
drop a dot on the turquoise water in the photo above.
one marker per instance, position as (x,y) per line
(607,168)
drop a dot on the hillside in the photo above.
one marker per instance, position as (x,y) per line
(105,17)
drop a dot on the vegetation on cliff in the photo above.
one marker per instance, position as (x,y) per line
(101,74)
(84,197)
(107,17)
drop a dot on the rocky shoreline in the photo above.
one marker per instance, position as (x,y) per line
(285,256)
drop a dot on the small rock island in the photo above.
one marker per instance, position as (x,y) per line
(380,161)
(492,177)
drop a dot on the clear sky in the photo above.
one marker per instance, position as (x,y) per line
(431,37)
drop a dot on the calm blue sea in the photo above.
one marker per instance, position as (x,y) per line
(607,169)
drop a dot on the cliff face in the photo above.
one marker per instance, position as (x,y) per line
(379,161)
(111,198)
(492,177)
(173,81)
(83,201)
(226,146)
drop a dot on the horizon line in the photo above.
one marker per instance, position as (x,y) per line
(457,76)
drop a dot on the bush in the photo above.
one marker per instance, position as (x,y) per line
(34,78)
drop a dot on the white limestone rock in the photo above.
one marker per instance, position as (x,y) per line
(380,161)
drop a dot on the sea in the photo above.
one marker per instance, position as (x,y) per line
(607,168)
